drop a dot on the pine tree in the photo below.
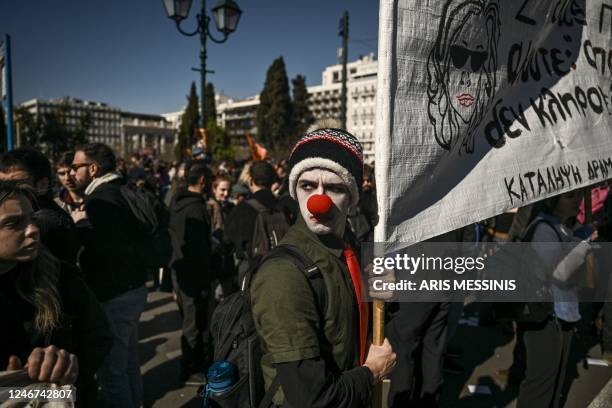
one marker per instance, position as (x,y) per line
(211,107)
(274,112)
(2,131)
(211,118)
(302,116)
(189,123)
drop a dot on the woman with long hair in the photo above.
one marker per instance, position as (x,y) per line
(56,329)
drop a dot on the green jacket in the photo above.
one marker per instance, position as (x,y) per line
(285,309)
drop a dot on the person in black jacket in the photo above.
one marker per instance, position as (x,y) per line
(240,224)
(191,272)
(57,230)
(50,319)
(113,264)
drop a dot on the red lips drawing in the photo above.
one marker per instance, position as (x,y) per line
(466,100)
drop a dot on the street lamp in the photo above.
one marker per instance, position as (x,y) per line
(226,14)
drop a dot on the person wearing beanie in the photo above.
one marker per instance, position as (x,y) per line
(316,352)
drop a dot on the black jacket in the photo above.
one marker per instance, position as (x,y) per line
(84,329)
(112,257)
(191,225)
(240,224)
(57,230)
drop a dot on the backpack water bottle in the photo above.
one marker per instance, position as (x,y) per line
(221,376)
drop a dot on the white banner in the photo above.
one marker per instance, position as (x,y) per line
(485,106)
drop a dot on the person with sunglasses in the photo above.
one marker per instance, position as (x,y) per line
(57,230)
(53,327)
(69,197)
(114,266)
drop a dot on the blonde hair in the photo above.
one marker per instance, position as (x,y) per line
(37,282)
(38,285)
(244,177)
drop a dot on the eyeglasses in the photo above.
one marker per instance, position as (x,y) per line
(77,166)
(460,55)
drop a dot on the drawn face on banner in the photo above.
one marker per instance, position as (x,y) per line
(465,84)
(461,70)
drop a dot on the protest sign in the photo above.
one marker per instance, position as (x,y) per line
(483,106)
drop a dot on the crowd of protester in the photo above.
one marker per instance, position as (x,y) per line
(74,263)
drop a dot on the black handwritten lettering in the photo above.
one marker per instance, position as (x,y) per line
(493,127)
(551,181)
(582,100)
(567,12)
(601,15)
(597,107)
(565,98)
(523,189)
(576,175)
(511,192)
(530,175)
(523,18)
(541,183)
(565,172)
(551,103)
(540,111)
(558,178)
(557,61)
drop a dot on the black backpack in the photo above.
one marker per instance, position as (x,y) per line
(235,338)
(155,243)
(271,225)
(526,312)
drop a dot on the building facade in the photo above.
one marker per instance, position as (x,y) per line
(146,132)
(104,120)
(324,100)
(238,116)
(125,132)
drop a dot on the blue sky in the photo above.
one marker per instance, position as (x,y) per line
(129,54)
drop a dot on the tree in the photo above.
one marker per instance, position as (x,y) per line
(189,123)
(273,120)
(29,127)
(2,131)
(219,142)
(302,116)
(211,106)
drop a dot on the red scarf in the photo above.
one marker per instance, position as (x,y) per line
(355,271)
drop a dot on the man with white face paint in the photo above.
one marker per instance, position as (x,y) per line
(318,354)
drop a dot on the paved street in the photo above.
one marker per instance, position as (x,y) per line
(486,350)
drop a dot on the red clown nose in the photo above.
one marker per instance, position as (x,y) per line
(319,204)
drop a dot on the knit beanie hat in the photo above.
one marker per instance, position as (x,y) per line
(330,149)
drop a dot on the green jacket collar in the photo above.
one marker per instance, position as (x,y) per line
(329,243)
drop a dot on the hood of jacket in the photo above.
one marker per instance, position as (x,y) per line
(184,198)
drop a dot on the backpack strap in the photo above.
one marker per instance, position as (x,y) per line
(304,264)
(266,401)
(253,202)
(532,228)
(317,285)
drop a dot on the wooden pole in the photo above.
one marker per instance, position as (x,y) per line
(378,325)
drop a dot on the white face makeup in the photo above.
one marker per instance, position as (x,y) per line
(320,181)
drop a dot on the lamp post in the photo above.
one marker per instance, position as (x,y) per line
(226,14)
